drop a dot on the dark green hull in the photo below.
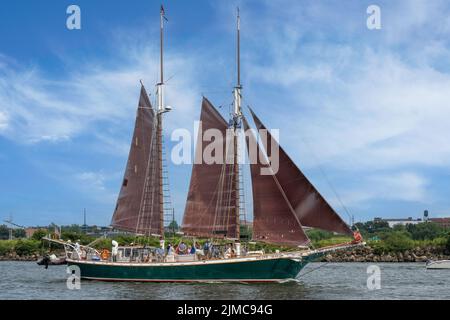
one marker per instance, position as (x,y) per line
(260,270)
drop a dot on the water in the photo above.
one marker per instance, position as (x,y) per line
(26,280)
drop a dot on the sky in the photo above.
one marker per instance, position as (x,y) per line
(364,113)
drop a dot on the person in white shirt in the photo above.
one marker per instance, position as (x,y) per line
(114,250)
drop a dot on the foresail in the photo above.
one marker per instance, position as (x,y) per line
(274,220)
(210,207)
(311,208)
(138,207)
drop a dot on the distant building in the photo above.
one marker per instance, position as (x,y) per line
(394,222)
(30,231)
(442,222)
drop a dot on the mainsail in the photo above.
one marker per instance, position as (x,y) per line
(139,205)
(211,207)
(274,219)
(311,209)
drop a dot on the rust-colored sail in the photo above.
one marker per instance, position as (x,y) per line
(311,208)
(139,207)
(274,219)
(211,209)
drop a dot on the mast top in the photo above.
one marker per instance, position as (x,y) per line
(237,90)
(238,26)
(161,107)
(162,18)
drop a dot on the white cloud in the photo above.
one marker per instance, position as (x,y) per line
(361,104)
(3,121)
(391,115)
(42,108)
(404,186)
(94,184)
(95,179)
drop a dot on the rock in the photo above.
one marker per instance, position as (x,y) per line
(421,259)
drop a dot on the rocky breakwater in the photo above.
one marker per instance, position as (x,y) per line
(369,254)
(15,257)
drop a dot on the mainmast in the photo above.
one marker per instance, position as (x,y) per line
(237,115)
(161,108)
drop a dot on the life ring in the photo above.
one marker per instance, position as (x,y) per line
(105,254)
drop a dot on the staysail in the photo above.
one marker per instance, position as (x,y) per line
(211,208)
(311,209)
(274,219)
(138,207)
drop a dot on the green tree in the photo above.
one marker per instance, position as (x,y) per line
(19,233)
(317,235)
(398,241)
(26,247)
(4,232)
(74,228)
(39,234)
(173,226)
(399,227)
(425,231)
(447,244)
(6,247)
(77,236)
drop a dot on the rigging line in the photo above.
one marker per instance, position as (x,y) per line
(281,190)
(146,181)
(315,269)
(170,78)
(226,202)
(227,186)
(230,176)
(326,177)
(148,171)
(151,186)
(234,187)
(144,187)
(219,215)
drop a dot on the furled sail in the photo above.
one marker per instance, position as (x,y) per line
(274,219)
(311,208)
(211,207)
(139,205)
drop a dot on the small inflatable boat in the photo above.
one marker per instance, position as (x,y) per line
(51,260)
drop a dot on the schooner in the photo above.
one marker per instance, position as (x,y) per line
(284,202)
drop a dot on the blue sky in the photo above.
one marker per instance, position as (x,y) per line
(363,112)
